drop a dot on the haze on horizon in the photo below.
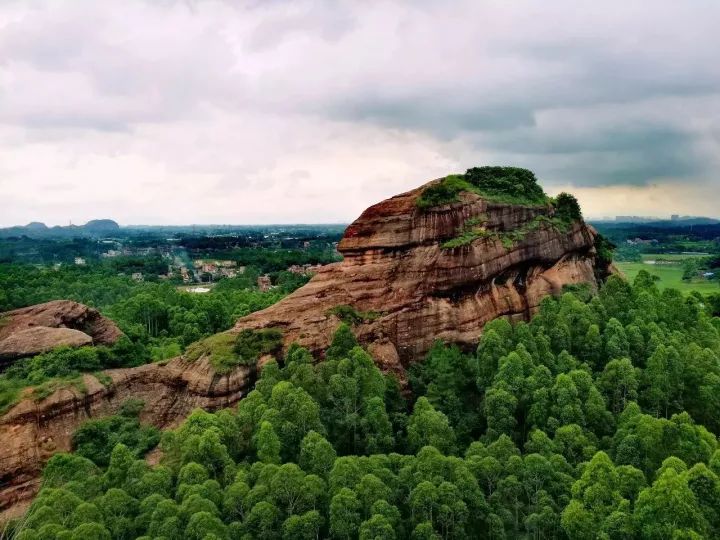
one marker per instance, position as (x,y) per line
(202,111)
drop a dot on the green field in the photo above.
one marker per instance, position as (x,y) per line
(670,274)
(679,257)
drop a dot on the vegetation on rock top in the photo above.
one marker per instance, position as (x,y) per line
(61,367)
(219,349)
(512,185)
(250,345)
(228,350)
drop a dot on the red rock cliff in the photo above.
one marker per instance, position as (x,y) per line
(395,265)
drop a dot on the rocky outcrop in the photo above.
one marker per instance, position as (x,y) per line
(32,330)
(396,267)
(33,431)
(406,289)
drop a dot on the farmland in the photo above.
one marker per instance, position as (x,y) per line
(669,269)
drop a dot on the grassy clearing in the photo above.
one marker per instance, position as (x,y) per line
(670,275)
(11,390)
(103,378)
(46,389)
(9,393)
(672,257)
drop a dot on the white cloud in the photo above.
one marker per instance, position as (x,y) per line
(210,111)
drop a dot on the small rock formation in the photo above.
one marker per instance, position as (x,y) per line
(36,329)
(402,286)
(32,431)
(396,268)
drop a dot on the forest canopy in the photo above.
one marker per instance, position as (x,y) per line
(597,419)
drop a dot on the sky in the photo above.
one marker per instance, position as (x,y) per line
(273,111)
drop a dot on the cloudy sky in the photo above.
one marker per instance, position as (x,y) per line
(270,111)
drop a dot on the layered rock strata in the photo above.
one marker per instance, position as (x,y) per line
(397,268)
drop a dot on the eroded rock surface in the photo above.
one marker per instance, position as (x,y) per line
(36,329)
(33,431)
(395,266)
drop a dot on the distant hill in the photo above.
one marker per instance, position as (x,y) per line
(37,229)
(36,226)
(103,225)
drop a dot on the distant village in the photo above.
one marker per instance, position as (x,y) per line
(195,274)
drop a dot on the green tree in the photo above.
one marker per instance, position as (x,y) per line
(567,207)
(303,527)
(317,455)
(619,384)
(267,444)
(263,521)
(377,528)
(428,427)
(203,524)
(667,506)
(344,514)
(342,343)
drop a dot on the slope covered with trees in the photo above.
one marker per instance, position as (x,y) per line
(598,419)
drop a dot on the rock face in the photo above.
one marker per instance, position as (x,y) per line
(39,328)
(33,431)
(395,265)
(395,268)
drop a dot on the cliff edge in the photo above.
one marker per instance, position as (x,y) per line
(412,275)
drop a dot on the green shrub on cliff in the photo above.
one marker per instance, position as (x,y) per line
(227,350)
(219,349)
(352,316)
(250,345)
(508,238)
(95,439)
(567,207)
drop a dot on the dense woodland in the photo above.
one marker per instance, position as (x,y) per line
(597,419)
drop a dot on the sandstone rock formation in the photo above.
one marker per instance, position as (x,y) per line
(395,266)
(408,289)
(32,330)
(33,431)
